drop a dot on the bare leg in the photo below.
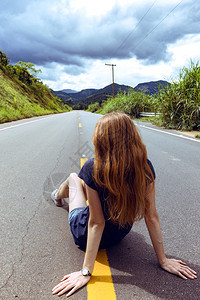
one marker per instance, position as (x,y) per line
(63,190)
(73,189)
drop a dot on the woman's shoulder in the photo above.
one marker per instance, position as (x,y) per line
(89,163)
(88,166)
(86,173)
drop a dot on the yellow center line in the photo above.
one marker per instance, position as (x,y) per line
(101,284)
(80,125)
(83,160)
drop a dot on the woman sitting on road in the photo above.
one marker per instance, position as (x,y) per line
(119,184)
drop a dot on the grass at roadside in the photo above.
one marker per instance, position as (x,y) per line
(16,103)
(156,121)
(151,119)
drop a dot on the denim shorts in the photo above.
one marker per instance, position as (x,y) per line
(74,212)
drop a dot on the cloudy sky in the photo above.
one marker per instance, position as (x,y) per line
(71,40)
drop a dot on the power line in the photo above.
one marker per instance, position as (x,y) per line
(157,25)
(124,41)
(112,65)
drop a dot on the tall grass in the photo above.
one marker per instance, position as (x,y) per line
(179,103)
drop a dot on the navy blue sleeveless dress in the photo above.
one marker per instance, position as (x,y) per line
(112,233)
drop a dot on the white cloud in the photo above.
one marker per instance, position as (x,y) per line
(185,49)
(91,7)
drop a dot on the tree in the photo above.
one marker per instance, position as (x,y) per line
(29,67)
(4,60)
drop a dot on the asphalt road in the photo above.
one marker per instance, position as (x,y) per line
(36,245)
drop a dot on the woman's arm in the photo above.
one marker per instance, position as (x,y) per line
(153,225)
(96,225)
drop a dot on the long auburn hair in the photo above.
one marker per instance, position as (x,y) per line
(120,166)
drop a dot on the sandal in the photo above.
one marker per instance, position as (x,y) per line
(58,202)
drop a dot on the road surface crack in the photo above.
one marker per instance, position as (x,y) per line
(19,261)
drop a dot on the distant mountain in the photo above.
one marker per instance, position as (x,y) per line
(106,92)
(151,88)
(61,95)
(84,95)
(69,91)
(89,96)
(75,97)
(117,87)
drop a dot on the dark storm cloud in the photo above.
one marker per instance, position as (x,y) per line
(150,39)
(42,32)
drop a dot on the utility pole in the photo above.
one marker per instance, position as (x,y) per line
(111,65)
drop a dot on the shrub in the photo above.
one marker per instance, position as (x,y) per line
(132,103)
(94,107)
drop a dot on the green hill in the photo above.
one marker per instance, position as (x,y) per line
(89,96)
(151,88)
(22,95)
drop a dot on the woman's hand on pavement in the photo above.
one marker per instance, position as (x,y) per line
(179,268)
(72,282)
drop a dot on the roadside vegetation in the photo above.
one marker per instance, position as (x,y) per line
(177,104)
(22,94)
(132,103)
